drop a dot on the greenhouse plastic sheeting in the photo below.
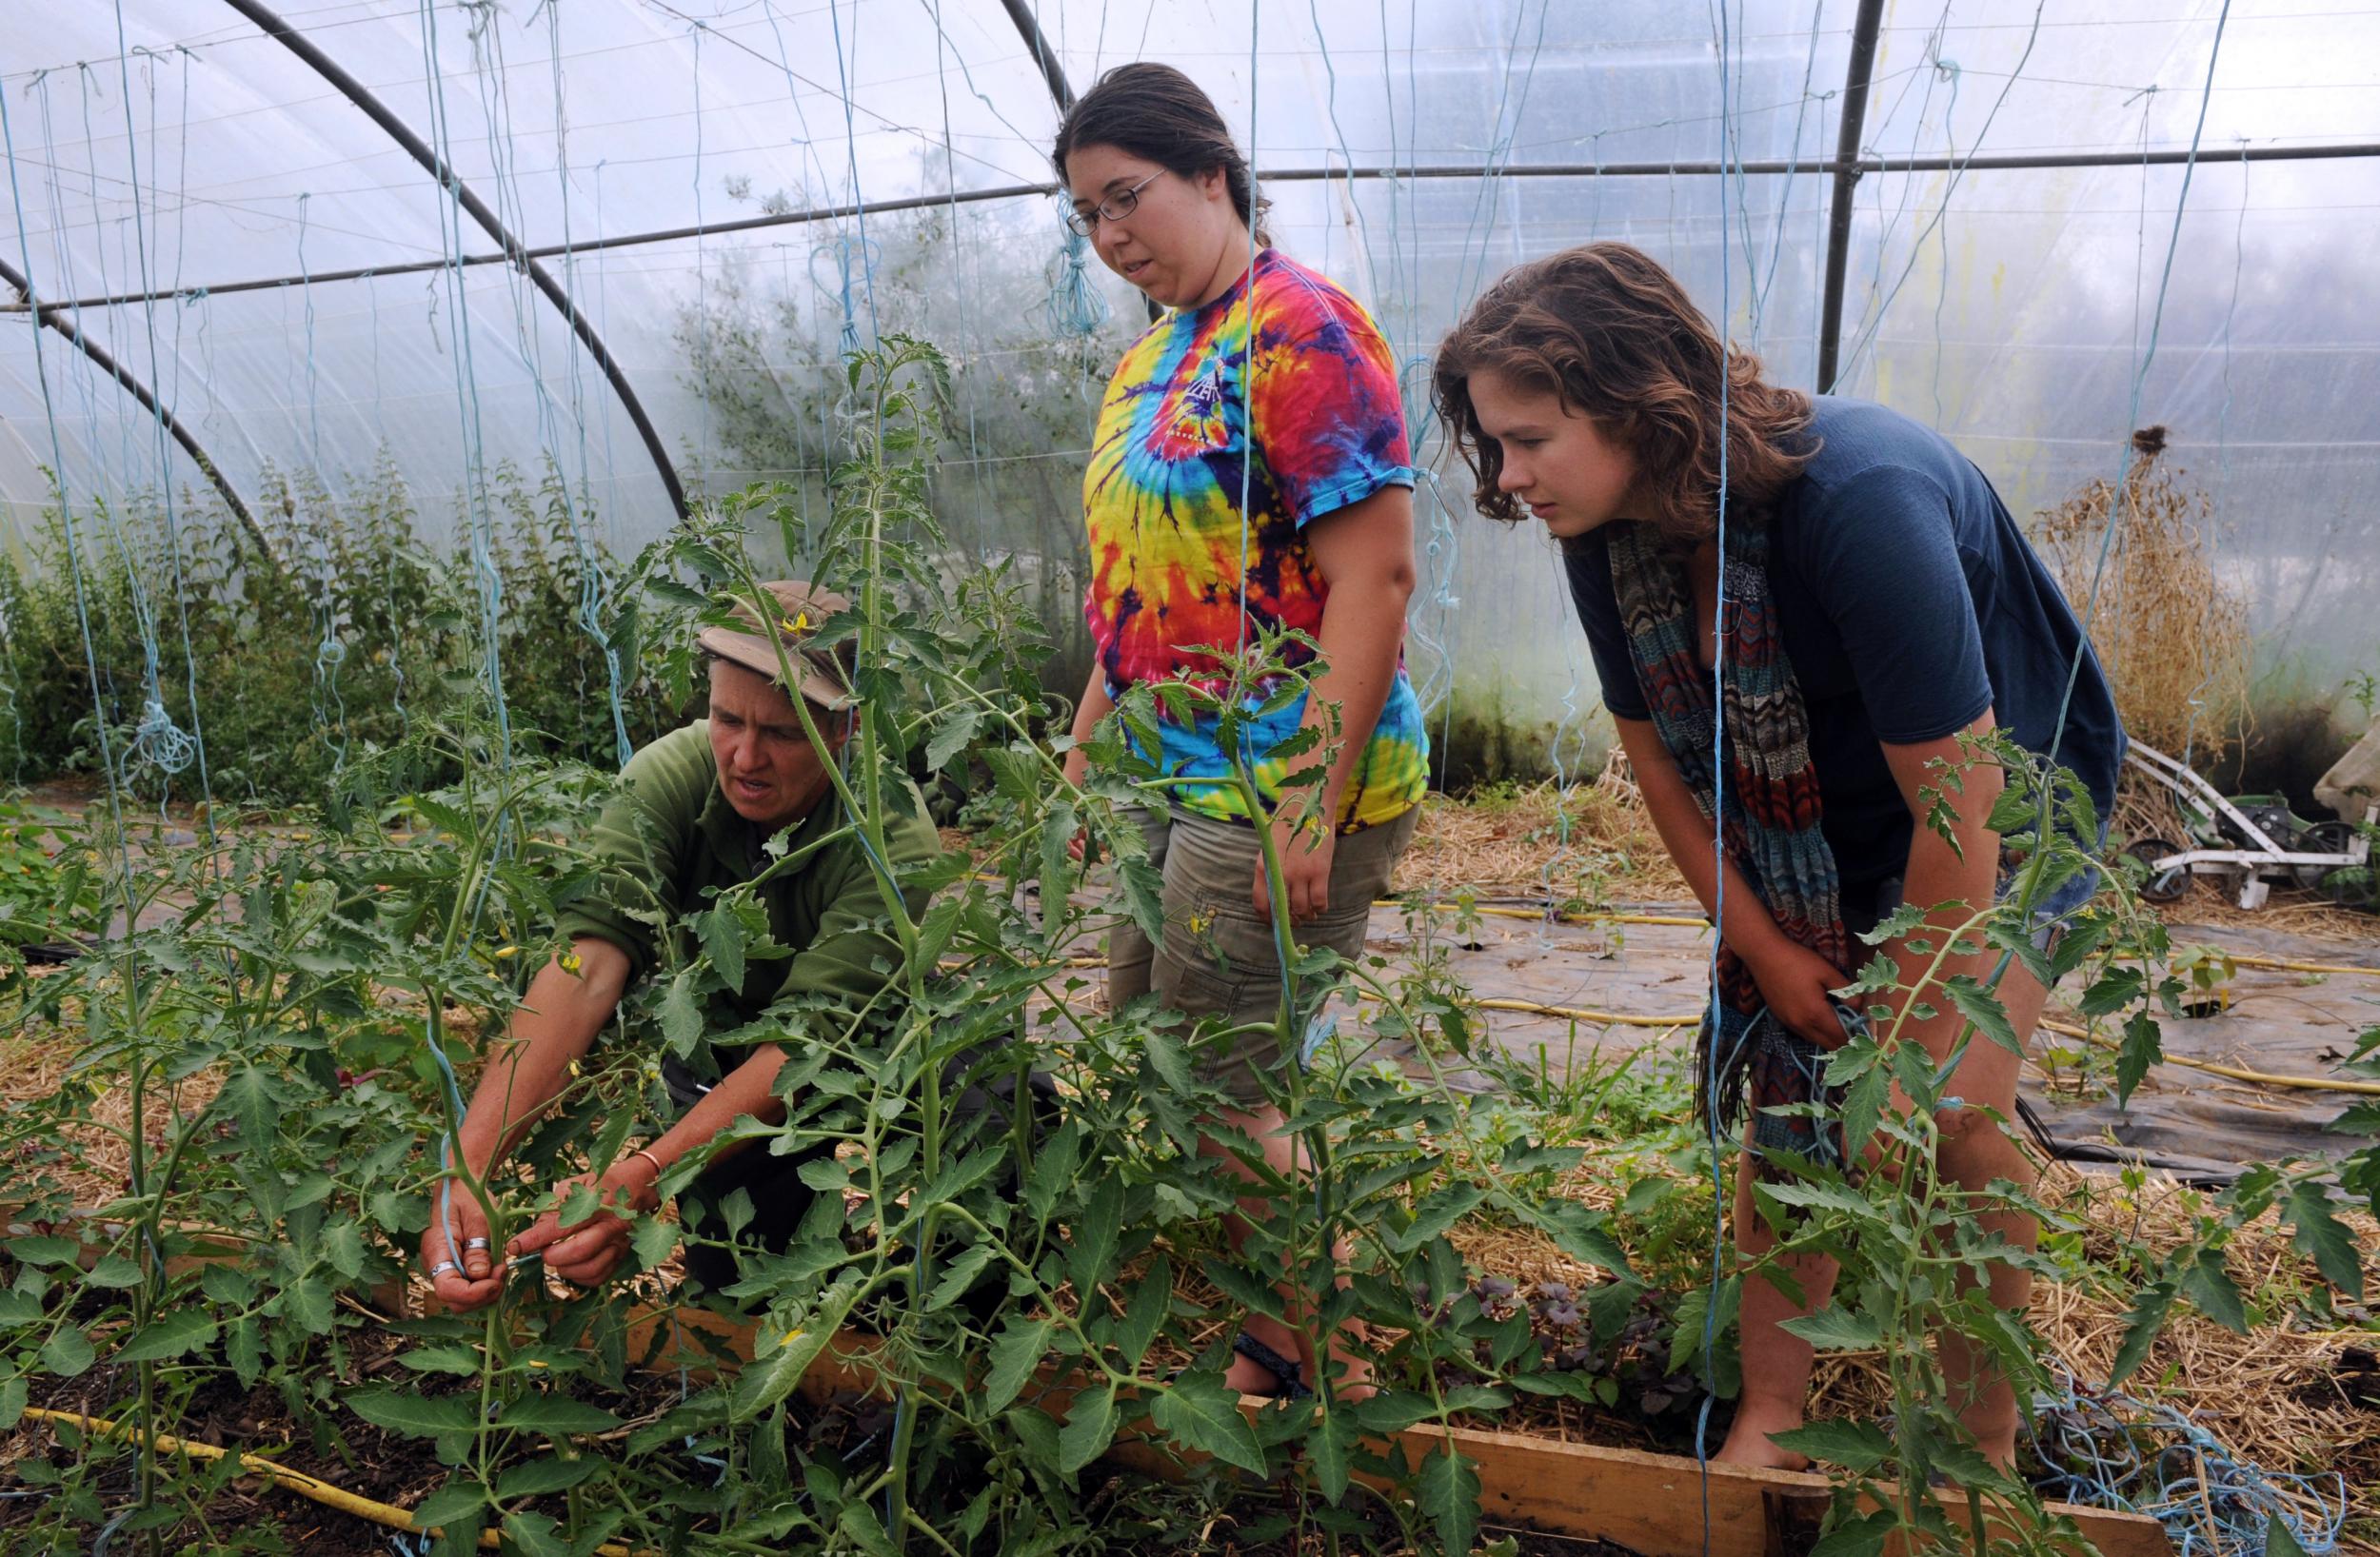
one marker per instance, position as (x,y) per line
(169,146)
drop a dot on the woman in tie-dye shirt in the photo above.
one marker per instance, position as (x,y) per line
(1265,380)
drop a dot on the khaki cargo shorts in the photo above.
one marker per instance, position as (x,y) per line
(1218,959)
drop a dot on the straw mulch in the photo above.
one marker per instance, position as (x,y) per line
(2172,637)
(2276,1396)
(1584,843)
(33,1065)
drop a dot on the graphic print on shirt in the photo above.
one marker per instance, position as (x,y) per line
(1170,554)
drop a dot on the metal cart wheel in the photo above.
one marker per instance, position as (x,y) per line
(2159,886)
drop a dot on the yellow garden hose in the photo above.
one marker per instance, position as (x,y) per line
(1580,1014)
(2262,1078)
(296,1481)
(2248,960)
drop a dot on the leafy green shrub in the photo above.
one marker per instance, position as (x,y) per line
(292,674)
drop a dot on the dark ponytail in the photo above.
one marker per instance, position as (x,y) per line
(1156,113)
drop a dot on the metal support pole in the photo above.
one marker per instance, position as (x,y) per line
(1847,170)
(1052,72)
(59,317)
(1054,75)
(2010,163)
(514,250)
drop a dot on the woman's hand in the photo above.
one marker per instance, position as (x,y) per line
(1798,985)
(588,1253)
(1305,867)
(464,1278)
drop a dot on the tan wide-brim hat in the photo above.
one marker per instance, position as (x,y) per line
(823,677)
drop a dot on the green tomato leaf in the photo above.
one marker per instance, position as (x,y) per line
(2281,1541)
(2320,1237)
(68,1353)
(958,1276)
(1837,1329)
(1862,1537)
(460,1502)
(342,1246)
(1333,1445)
(455,1358)
(1448,1493)
(1015,1353)
(2141,1328)
(556,1415)
(168,1335)
(2207,1284)
(1983,1008)
(1854,1446)
(534,1535)
(1197,1412)
(414,1415)
(777,1370)
(308,1303)
(1090,1427)
(116,1272)
(2143,1046)
(45,1249)
(1145,1310)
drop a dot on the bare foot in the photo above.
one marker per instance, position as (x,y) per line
(1748,1440)
(1997,1444)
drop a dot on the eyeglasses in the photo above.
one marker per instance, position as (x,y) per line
(1114,209)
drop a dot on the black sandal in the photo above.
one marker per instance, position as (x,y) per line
(1287,1384)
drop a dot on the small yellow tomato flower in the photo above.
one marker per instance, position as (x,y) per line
(503,952)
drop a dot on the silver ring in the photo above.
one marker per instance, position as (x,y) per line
(474,1243)
(442,1268)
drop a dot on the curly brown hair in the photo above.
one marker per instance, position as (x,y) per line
(1605,327)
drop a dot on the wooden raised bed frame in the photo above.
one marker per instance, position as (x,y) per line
(1652,1504)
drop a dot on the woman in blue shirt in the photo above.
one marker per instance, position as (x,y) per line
(1881,606)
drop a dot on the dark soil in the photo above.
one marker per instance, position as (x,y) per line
(401,1471)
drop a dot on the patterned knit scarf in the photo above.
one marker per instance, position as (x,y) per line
(1772,811)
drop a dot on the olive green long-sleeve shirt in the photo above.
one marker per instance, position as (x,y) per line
(670,834)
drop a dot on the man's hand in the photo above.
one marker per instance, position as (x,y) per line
(1305,867)
(1797,984)
(480,1278)
(589,1252)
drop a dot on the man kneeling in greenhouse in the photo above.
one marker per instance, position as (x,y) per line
(742,795)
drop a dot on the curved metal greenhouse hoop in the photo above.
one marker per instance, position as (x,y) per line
(55,316)
(516,251)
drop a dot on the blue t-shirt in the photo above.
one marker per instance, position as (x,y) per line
(1909,603)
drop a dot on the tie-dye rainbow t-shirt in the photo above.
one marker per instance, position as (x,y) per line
(1162,498)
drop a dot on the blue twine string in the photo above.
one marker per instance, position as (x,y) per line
(1718,844)
(331,712)
(844,68)
(164,744)
(1074,309)
(480,523)
(2105,1448)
